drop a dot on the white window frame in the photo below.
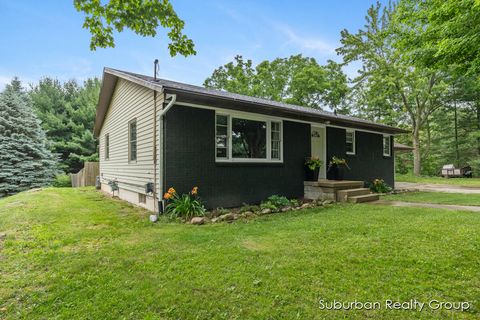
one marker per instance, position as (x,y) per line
(130,160)
(254,117)
(389,154)
(353,141)
(107,147)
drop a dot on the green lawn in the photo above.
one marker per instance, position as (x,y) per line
(436,197)
(72,253)
(467,182)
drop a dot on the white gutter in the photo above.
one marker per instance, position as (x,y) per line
(173,98)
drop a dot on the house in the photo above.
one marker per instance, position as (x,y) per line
(155,134)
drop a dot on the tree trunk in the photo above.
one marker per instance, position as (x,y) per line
(416,153)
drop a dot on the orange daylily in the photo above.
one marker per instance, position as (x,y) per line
(194,191)
(171,191)
(167,196)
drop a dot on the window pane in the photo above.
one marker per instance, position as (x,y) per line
(222,120)
(221,142)
(221,131)
(249,139)
(349,147)
(133,131)
(275,135)
(221,152)
(133,150)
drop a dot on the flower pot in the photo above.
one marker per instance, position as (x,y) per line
(336,172)
(312,175)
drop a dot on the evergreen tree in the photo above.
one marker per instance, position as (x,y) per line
(25,161)
(67,114)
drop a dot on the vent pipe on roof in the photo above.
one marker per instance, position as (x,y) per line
(156,69)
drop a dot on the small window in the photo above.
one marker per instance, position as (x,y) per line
(132,140)
(350,142)
(142,198)
(387,146)
(107,146)
(221,136)
(276,140)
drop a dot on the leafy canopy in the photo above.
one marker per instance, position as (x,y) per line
(297,80)
(67,113)
(142,17)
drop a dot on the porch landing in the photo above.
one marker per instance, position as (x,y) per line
(337,190)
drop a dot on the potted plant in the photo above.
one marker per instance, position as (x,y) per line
(312,168)
(336,167)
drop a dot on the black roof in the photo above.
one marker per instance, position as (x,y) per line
(178,87)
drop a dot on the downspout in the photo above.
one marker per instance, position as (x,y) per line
(173,99)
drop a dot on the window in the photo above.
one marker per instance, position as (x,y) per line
(386,146)
(247,139)
(350,142)
(142,198)
(132,140)
(276,140)
(107,146)
(222,136)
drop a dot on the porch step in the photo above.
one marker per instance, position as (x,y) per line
(364,198)
(343,195)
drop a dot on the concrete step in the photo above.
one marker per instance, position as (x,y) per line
(364,198)
(343,195)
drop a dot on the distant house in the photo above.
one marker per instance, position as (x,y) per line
(156,134)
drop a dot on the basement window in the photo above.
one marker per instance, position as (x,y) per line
(387,148)
(142,198)
(350,142)
(132,140)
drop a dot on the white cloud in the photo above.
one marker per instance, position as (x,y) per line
(307,43)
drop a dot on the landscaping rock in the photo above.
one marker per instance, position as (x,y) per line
(285,209)
(197,220)
(305,206)
(226,217)
(215,220)
(248,214)
(328,202)
(266,211)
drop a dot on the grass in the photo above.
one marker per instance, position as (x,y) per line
(437,198)
(72,253)
(466,182)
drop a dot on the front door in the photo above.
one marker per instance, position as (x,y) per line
(318,148)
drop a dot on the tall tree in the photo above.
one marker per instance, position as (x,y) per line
(25,160)
(296,80)
(142,17)
(442,33)
(388,75)
(67,114)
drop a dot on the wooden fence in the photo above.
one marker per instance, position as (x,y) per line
(87,176)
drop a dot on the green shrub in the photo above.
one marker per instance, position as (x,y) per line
(379,186)
(268,205)
(62,181)
(294,203)
(184,206)
(279,201)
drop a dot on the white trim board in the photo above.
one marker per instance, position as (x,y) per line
(243,113)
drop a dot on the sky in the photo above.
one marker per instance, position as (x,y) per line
(46,38)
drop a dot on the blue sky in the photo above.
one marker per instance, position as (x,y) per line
(46,38)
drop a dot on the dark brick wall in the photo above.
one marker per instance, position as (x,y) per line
(190,161)
(368,163)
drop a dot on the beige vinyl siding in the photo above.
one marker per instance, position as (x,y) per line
(129,101)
